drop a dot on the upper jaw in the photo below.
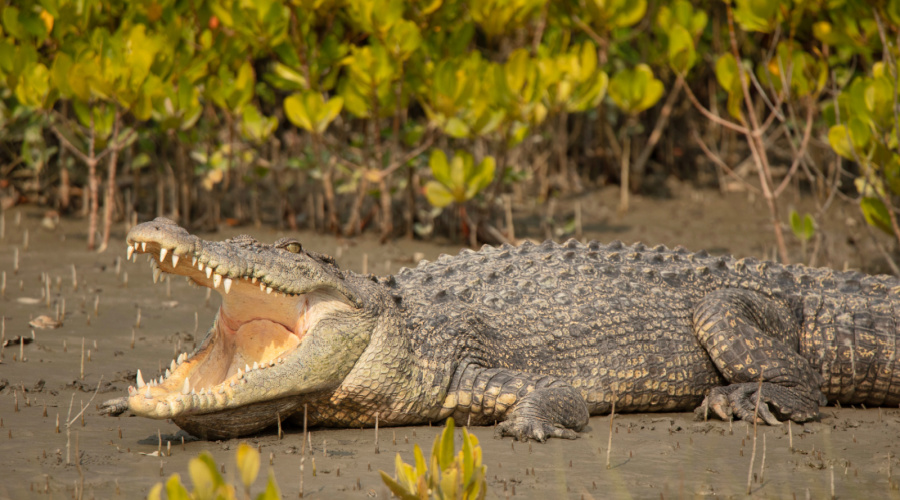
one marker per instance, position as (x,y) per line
(215,264)
(198,260)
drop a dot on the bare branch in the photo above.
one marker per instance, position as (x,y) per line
(661,123)
(708,114)
(68,145)
(798,155)
(718,161)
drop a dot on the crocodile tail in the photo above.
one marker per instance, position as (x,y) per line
(851,332)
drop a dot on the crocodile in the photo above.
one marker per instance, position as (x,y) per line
(533,338)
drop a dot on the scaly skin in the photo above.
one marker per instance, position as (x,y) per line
(535,337)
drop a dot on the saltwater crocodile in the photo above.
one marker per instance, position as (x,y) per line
(535,338)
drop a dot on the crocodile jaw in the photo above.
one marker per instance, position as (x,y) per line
(253,347)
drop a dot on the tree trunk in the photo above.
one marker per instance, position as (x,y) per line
(111,181)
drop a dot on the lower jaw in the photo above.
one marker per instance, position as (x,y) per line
(229,423)
(217,377)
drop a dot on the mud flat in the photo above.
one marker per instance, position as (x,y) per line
(653,455)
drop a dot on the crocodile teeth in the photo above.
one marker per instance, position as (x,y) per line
(129,252)
(217,280)
(140,380)
(186,388)
(157,272)
(180,358)
(162,254)
(194,261)
(160,380)
(240,374)
(167,373)
(200,266)
(203,391)
(227,285)
(255,365)
(174,260)
(171,367)
(268,289)
(148,395)
(143,246)
(246,368)
(209,272)
(262,287)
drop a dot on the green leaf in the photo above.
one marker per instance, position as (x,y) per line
(727,72)
(876,214)
(271,492)
(396,488)
(450,483)
(635,90)
(757,15)
(205,477)
(628,13)
(481,177)
(295,109)
(517,67)
(34,86)
(155,492)
(289,75)
(175,490)
(439,166)
(438,195)
(59,73)
(845,138)
(11,22)
(446,451)
(247,463)
(328,112)
(421,467)
(893,11)
(803,227)
(682,55)
(839,139)
(454,127)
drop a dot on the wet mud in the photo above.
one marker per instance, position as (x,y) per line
(852,452)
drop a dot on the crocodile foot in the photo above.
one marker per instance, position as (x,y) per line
(547,412)
(524,429)
(777,403)
(114,407)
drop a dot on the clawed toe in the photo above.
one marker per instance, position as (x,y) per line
(524,430)
(777,402)
(114,407)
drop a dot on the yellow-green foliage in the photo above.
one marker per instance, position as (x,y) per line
(451,476)
(431,75)
(210,485)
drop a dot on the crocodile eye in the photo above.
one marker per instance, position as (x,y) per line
(293,247)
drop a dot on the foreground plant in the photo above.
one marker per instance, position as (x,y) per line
(209,484)
(452,475)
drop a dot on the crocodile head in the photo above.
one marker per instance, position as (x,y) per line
(290,324)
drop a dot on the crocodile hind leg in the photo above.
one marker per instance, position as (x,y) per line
(753,341)
(527,406)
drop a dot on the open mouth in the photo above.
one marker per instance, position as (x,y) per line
(257,328)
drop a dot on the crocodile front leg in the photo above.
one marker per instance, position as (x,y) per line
(750,338)
(528,406)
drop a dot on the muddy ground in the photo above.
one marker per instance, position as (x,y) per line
(652,456)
